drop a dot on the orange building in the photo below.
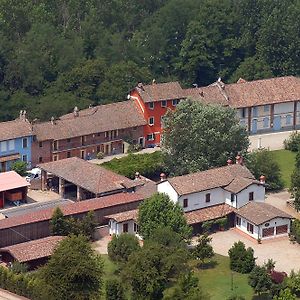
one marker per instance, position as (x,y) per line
(154,100)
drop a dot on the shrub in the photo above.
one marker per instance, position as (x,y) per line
(122,246)
(20,167)
(223,222)
(18,267)
(295,231)
(260,280)
(100,155)
(114,290)
(132,148)
(241,259)
(292,142)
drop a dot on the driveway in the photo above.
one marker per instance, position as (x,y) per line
(281,250)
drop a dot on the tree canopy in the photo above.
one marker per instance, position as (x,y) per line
(198,137)
(58,54)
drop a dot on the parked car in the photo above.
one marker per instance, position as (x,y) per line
(35,173)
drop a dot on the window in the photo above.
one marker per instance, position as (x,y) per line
(164,103)
(24,143)
(40,159)
(175,102)
(83,139)
(98,133)
(3,146)
(238,221)
(151,105)
(232,197)
(55,144)
(185,202)
(250,227)
(82,154)
(251,196)
(40,144)
(207,198)
(24,158)
(68,140)
(266,108)
(125,227)
(151,121)
(11,145)
(266,122)
(135,227)
(68,154)
(115,133)
(150,137)
(243,112)
(254,111)
(55,157)
(288,120)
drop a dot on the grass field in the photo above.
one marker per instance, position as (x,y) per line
(286,161)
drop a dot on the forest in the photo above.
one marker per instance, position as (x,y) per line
(55,54)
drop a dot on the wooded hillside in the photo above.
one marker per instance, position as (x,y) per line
(55,54)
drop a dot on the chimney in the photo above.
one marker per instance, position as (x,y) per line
(137,176)
(52,120)
(153,81)
(262,179)
(163,177)
(141,86)
(239,160)
(76,111)
(21,114)
(229,162)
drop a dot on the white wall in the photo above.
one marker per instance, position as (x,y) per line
(243,196)
(117,228)
(197,200)
(165,187)
(243,227)
(283,108)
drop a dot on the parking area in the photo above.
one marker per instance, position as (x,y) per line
(281,250)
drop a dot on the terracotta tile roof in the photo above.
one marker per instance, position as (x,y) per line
(161,91)
(208,213)
(15,129)
(12,180)
(213,178)
(72,209)
(147,187)
(260,212)
(101,118)
(89,176)
(124,216)
(240,183)
(28,251)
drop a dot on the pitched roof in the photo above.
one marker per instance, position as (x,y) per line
(12,180)
(124,216)
(32,250)
(15,129)
(147,187)
(249,93)
(208,213)
(260,212)
(89,176)
(210,179)
(240,183)
(160,91)
(101,118)
(72,209)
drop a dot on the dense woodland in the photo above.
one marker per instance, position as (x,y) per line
(55,54)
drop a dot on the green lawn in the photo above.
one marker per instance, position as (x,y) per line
(217,281)
(286,161)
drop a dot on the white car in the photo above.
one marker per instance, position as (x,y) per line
(35,173)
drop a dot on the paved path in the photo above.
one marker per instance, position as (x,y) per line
(272,141)
(5,295)
(281,250)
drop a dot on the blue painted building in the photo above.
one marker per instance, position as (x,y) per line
(15,142)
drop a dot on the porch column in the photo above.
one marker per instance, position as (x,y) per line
(61,187)
(79,193)
(43,180)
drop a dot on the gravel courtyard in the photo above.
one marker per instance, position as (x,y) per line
(281,250)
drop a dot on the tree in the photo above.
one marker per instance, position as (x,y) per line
(203,248)
(285,294)
(187,131)
(88,225)
(262,162)
(260,280)
(151,269)
(19,167)
(58,223)
(114,290)
(295,182)
(159,211)
(293,283)
(74,271)
(122,246)
(242,260)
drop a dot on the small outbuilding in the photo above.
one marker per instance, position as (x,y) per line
(33,253)
(13,188)
(261,220)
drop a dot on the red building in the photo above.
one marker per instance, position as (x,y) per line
(154,101)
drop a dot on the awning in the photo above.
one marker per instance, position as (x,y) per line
(9,157)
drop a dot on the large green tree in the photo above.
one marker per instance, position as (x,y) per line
(295,182)
(74,271)
(260,280)
(198,137)
(159,211)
